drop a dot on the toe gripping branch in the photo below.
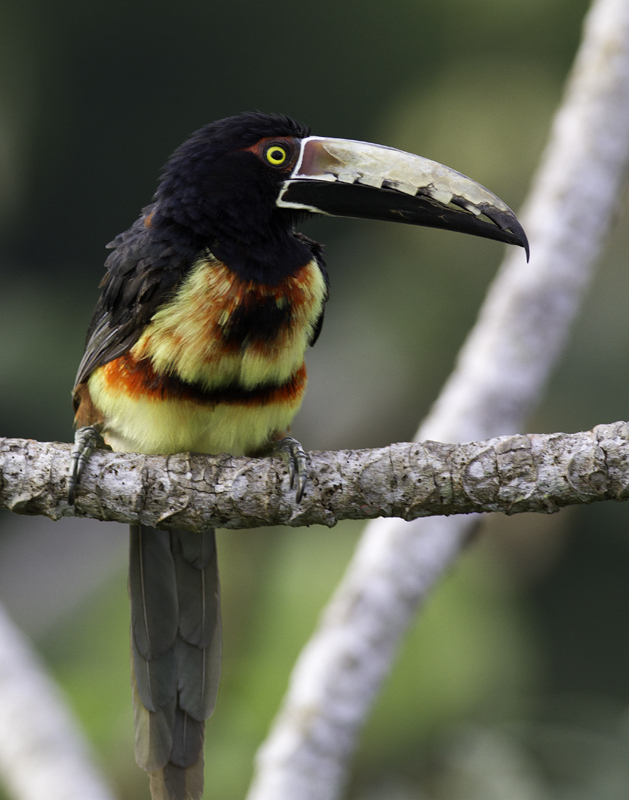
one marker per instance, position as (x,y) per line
(89,439)
(296,462)
(86,441)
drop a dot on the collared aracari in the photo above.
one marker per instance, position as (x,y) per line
(197,343)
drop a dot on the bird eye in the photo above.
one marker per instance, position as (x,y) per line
(276,155)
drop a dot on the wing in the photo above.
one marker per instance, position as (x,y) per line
(143,272)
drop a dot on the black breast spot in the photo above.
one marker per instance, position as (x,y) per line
(257,320)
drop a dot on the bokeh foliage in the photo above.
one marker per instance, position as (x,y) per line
(514,684)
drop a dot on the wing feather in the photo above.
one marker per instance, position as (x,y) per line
(143,272)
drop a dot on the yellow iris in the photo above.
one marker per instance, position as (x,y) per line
(276,155)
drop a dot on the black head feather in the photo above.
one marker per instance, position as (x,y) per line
(216,193)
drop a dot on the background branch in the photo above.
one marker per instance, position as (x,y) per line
(498,379)
(42,753)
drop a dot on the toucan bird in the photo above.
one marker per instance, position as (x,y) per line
(208,305)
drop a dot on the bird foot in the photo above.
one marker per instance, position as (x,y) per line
(296,462)
(86,441)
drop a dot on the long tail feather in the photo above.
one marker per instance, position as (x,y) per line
(176,654)
(173,782)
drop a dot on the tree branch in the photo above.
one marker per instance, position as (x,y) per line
(512,474)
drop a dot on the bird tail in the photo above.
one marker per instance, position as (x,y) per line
(176,654)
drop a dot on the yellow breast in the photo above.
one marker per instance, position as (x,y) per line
(220,329)
(220,368)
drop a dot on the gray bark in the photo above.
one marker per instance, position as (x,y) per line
(512,474)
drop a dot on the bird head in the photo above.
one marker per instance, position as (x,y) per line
(239,186)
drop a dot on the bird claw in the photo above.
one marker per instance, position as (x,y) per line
(86,441)
(296,462)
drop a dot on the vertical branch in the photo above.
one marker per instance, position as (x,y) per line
(498,378)
(41,752)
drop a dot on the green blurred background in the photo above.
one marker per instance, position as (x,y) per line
(516,684)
